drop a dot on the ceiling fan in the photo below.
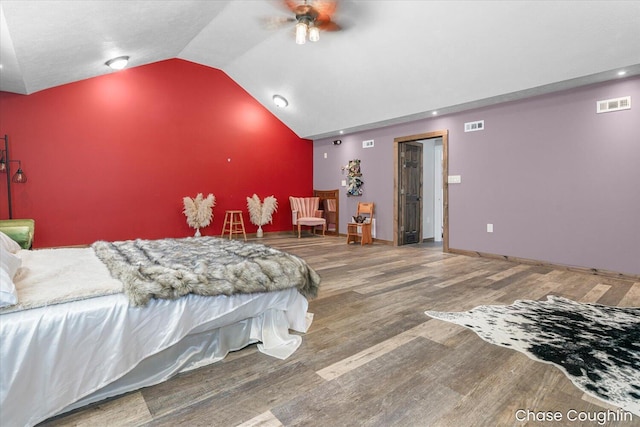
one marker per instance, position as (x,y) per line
(311,17)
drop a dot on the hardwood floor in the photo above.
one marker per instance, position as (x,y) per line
(372,357)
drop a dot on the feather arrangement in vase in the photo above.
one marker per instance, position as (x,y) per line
(199,211)
(261,213)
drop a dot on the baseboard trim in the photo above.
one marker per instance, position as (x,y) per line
(586,270)
(381,241)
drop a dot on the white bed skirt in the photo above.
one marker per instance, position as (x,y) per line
(61,357)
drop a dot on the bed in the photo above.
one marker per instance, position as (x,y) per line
(81,330)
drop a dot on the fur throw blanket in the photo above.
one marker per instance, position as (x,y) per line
(171,268)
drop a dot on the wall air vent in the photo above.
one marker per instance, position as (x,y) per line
(616,104)
(474,126)
(367,144)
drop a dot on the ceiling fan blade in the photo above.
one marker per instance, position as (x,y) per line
(292,5)
(276,22)
(325,9)
(322,8)
(328,25)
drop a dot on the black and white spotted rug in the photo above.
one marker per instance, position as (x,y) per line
(597,346)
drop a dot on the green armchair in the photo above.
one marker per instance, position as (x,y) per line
(20,230)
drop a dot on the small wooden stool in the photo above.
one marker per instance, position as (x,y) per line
(233,223)
(359,230)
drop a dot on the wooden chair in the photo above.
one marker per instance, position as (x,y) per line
(329,201)
(330,214)
(362,231)
(304,211)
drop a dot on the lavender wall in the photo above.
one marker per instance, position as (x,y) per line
(559,182)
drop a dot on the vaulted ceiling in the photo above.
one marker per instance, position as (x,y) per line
(392,61)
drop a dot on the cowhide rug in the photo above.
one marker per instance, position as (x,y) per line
(598,347)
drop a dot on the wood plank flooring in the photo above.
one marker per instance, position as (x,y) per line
(373,358)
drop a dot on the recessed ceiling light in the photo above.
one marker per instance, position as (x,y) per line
(118,63)
(622,72)
(280,101)
(341,132)
(434,113)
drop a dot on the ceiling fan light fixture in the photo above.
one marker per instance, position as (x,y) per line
(301,32)
(280,101)
(314,34)
(117,63)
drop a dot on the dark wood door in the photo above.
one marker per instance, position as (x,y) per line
(410,192)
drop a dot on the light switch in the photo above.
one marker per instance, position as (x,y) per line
(454,179)
(344,183)
(325,155)
(489,228)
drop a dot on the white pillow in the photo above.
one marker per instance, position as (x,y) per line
(9,264)
(8,294)
(9,244)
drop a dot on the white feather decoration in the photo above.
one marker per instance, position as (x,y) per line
(199,211)
(269,206)
(261,213)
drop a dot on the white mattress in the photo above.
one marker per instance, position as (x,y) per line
(62,356)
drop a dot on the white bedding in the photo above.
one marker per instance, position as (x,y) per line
(51,276)
(58,357)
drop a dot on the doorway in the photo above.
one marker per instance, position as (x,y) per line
(409,190)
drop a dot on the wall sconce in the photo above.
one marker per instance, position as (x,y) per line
(5,167)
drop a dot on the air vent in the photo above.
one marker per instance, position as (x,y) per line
(474,126)
(616,104)
(367,144)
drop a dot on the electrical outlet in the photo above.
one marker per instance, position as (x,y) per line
(454,179)
(325,155)
(489,228)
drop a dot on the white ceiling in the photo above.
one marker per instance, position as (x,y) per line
(394,60)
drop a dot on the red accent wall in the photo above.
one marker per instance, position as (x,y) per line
(110,158)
